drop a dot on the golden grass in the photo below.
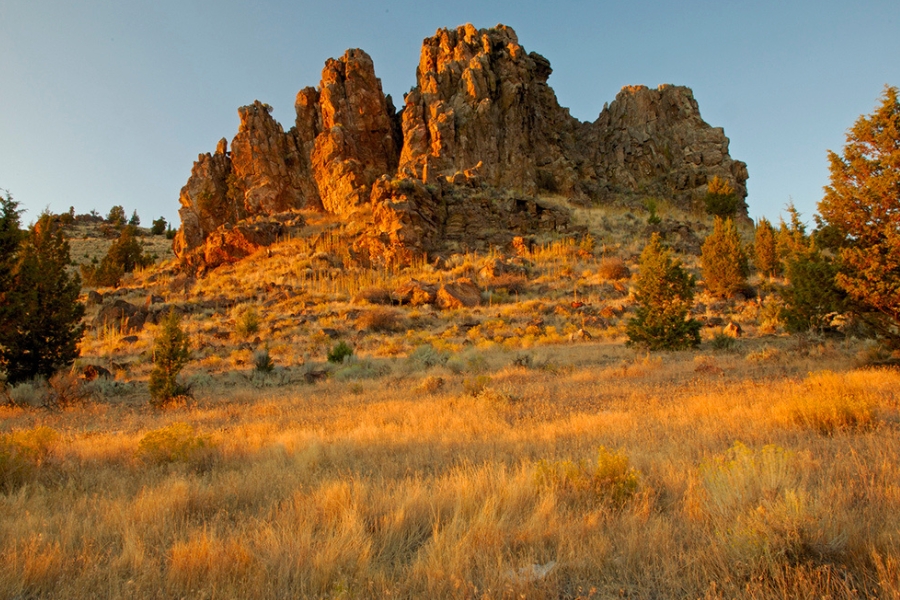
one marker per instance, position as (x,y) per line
(746,481)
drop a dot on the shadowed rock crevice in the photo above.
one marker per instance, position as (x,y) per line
(478,139)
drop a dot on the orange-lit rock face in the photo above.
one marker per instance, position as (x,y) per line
(356,144)
(204,201)
(481,127)
(261,155)
(481,98)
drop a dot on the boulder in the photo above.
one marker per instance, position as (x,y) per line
(120,315)
(416,293)
(462,293)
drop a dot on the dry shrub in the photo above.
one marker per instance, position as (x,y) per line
(382,320)
(762,510)
(22,452)
(431,384)
(610,479)
(176,443)
(613,268)
(828,403)
(62,390)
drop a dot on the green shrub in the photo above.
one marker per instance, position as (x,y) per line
(610,479)
(652,205)
(722,341)
(428,356)
(22,452)
(176,443)
(170,355)
(664,292)
(340,352)
(246,321)
(262,361)
(720,200)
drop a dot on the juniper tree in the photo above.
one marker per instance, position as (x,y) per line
(721,199)
(862,206)
(724,262)
(764,251)
(664,292)
(123,256)
(170,354)
(42,314)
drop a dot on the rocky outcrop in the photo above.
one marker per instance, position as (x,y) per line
(264,161)
(481,98)
(479,138)
(356,143)
(205,201)
(655,141)
(455,215)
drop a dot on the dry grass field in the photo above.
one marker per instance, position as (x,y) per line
(478,452)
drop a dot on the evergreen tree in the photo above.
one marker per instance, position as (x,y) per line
(10,238)
(135,220)
(44,315)
(159,226)
(812,293)
(123,256)
(862,207)
(791,239)
(724,262)
(116,216)
(170,355)
(721,199)
(764,250)
(664,292)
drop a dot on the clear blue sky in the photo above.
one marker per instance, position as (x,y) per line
(106,102)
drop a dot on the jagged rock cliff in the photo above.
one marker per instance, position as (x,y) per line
(479,137)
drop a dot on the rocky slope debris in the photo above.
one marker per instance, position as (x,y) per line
(478,140)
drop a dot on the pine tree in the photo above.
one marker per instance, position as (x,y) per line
(170,354)
(862,206)
(45,315)
(664,292)
(764,250)
(724,262)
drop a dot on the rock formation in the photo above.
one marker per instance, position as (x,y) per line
(480,98)
(479,137)
(356,142)
(656,142)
